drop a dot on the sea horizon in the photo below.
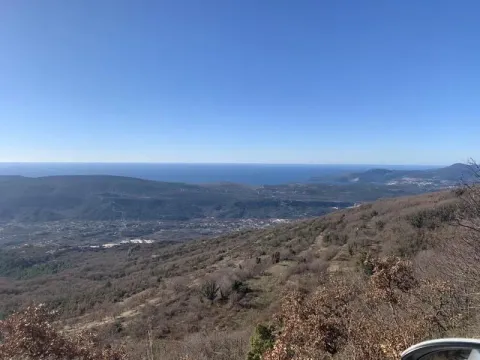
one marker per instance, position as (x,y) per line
(224,163)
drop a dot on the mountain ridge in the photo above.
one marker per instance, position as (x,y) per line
(106,197)
(449,175)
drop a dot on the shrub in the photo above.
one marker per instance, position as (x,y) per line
(330,253)
(368,216)
(418,220)
(351,248)
(409,246)
(313,326)
(214,346)
(224,293)
(366,263)
(240,287)
(380,224)
(366,318)
(261,341)
(432,218)
(30,335)
(276,257)
(210,290)
(332,238)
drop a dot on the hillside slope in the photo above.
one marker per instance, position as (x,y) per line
(158,290)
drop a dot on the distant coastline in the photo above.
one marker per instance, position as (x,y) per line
(248,174)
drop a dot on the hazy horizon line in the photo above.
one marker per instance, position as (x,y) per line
(221,163)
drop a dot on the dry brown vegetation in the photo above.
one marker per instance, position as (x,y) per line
(29,334)
(362,283)
(374,317)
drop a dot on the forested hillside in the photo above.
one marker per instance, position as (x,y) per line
(107,198)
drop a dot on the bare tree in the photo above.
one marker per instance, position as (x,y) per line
(459,257)
(468,215)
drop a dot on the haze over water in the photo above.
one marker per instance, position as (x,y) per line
(250,174)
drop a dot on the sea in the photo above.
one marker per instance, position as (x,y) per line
(249,174)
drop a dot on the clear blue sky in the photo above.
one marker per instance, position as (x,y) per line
(276,81)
